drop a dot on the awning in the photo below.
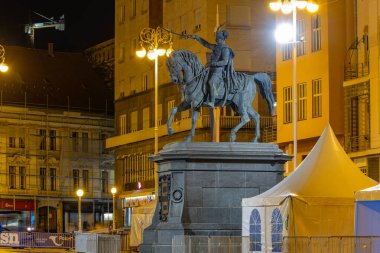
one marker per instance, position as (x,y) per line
(137,193)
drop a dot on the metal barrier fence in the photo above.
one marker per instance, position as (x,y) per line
(97,243)
(332,244)
(315,244)
(209,244)
(36,240)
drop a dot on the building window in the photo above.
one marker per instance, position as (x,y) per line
(122,52)
(145,81)
(43,179)
(122,14)
(22,175)
(12,142)
(134,121)
(373,168)
(74,141)
(316,33)
(133,48)
(302,101)
(145,6)
(146,117)
(300,37)
(42,139)
(132,84)
(276,229)
(317,98)
(85,142)
(133,8)
(287,51)
(183,24)
(12,177)
(288,105)
(137,168)
(76,179)
(85,180)
(357,117)
(122,88)
(21,142)
(104,181)
(53,182)
(52,140)
(255,231)
(198,19)
(123,124)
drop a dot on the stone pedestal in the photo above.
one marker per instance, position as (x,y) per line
(201,186)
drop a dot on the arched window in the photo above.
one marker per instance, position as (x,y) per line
(276,228)
(255,231)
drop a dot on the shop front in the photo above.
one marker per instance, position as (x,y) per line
(94,215)
(133,199)
(17,214)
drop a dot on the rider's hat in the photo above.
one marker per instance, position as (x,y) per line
(222,33)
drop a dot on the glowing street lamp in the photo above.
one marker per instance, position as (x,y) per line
(3,67)
(113,191)
(152,42)
(288,34)
(80,194)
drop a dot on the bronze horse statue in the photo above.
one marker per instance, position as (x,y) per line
(187,71)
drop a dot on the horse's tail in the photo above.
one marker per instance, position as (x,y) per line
(265,86)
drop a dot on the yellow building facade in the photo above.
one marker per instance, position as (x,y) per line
(322,42)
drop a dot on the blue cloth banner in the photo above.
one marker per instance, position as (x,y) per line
(36,240)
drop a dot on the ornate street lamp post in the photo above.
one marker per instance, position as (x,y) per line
(152,42)
(113,191)
(3,66)
(80,194)
(287,7)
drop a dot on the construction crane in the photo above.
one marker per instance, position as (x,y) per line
(58,25)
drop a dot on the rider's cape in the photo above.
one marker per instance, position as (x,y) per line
(233,80)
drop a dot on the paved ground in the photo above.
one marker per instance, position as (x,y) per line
(10,250)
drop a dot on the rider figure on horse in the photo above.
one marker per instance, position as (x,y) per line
(221,67)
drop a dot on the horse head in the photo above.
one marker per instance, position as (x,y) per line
(183,65)
(175,68)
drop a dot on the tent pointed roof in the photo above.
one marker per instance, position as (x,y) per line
(326,173)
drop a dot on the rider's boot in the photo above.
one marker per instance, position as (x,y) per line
(211,103)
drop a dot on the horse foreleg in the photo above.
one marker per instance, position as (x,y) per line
(179,108)
(194,118)
(243,120)
(256,117)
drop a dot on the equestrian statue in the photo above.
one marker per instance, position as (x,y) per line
(217,84)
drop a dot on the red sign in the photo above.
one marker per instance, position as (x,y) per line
(21,205)
(139,185)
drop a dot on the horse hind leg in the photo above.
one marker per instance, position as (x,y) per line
(256,117)
(244,119)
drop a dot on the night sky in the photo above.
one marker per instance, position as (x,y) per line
(88,22)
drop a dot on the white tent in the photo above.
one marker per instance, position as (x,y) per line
(141,219)
(316,199)
(367,212)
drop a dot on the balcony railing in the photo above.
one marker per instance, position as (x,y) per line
(357,143)
(356,71)
(268,125)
